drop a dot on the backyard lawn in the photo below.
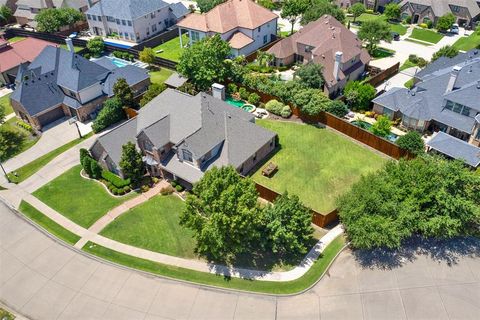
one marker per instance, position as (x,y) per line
(426,35)
(468,43)
(395,27)
(316,164)
(15,39)
(171,49)
(154,225)
(64,46)
(82,201)
(160,76)
(5,101)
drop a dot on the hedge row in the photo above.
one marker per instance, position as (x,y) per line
(115,180)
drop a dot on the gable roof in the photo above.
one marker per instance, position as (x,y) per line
(229,15)
(455,148)
(126,9)
(441,7)
(25,50)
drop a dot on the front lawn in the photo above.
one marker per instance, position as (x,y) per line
(380,53)
(468,43)
(395,27)
(160,76)
(80,200)
(25,140)
(316,164)
(154,225)
(171,49)
(5,101)
(426,35)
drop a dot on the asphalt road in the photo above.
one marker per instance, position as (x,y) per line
(43,279)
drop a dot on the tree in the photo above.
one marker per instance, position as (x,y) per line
(87,165)
(5,13)
(337,108)
(267,4)
(96,46)
(131,163)
(392,11)
(319,8)
(205,62)
(381,127)
(2,114)
(153,90)
(52,19)
(111,113)
(207,5)
(311,75)
(358,95)
(374,31)
(411,142)
(147,55)
(95,169)
(445,22)
(70,16)
(311,101)
(445,51)
(357,10)
(123,92)
(289,226)
(428,196)
(292,10)
(223,213)
(10,143)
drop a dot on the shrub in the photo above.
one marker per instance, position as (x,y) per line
(114,191)
(114,179)
(253,98)
(446,21)
(25,126)
(243,93)
(408,20)
(423,25)
(232,88)
(413,58)
(369,11)
(96,170)
(179,188)
(422,62)
(126,189)
(87,55)
(429,24)
(286,112)
(155,180)
(275,107)
(337,108)
(145,188)
(86,164)
(111,113)
(411,142)
(166,190)
(174,183)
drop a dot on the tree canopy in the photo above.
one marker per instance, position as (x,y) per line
(445,51)
(292,10)
(5,13)
(131,162)
(96,46)
(318,8)
(374,31)
(2,114)
(111,113)
(147,55)
(205,62)
(357,10)
(381,127)
(207,5)
(153,90)
(311,101)
(428,196)
(337,108)
(446,21)
(311,75)
(52,19)
(411,142)
(358,95)
(392,11)
(123,93)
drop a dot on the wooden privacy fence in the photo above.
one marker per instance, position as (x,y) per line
(384,75)
(319,219)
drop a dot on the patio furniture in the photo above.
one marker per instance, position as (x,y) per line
(269,169)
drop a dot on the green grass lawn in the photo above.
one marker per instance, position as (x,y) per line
(171,49)
(82,201)
(380,53)
(154,225)
(28,139)
(395,27)
(289,287)
(418,42)
(426,35)
(408,84)
(23,173)
(407,64)
(160,76)
(49,225)
(468,43)
(64,46)
(5,102)
(15,39)
(316,164)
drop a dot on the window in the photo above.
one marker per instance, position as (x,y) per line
(259,29)
(465,111)
(265,39)
(457,108)
(89,17)
(152,15)
(154,28)
(455,8)
(99,18)
(124,22)
(118,21)
(129,23)
(449,105)
(195,36)
(187,155)
(478,135)
(110,19)
(94,18)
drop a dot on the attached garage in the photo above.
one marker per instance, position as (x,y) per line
(51,116)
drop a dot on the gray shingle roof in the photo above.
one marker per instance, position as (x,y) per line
(112,143)
(131,74)
(126,9)
(442,7)
(175,80)
(455,148)
(179,10)
(444,62)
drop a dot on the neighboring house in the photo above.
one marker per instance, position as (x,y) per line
(245,25)
(28,9)
(445,98)
(328,42)
(466,11)
(182,136)
(12,55)
(60,83)
(133,20)
(377,5)
(12,4)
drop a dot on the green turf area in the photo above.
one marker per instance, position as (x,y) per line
(80,200)
(5,102)
(408,84)
(426,35)
(468,43)
(23,173)
(380,53)
(171,49)
(160,76)
(27,141)
(64,46)
(418,42)
(289,287)
(154,225)
(398,28)
(407,64)
(50,225)
(15,39)
(395,27)
(316,164)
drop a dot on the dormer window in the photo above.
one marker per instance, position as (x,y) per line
(187,155)
(457,108)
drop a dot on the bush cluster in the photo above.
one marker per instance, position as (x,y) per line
(111,113)
(177,186)
(419,61)
(278,108)
(25,126)
(117,191)
(115,180)
(167,190)
(123,55)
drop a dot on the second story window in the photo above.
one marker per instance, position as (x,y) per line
(458,108)
(89,17)
(118,21)
(129,23)
(187,155)
(124,22)
(110,19)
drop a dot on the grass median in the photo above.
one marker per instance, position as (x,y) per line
(271,287)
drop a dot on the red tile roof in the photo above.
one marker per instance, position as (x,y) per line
(21,51)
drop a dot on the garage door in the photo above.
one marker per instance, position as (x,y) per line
(51,116)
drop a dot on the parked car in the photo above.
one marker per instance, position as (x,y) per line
(73,35)
(454,29)
(396,36)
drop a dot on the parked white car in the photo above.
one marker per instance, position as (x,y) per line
(454,29)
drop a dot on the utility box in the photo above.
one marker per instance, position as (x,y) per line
(218,91)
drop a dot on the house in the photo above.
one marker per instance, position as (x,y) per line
(11,4)
(328,42)
(466,11)
(182,136)
(245,25)
(444,99)
(28,9)
(133,20)
(377,5)
(12,55)
(60,83)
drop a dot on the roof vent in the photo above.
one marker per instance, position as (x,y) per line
(478,84)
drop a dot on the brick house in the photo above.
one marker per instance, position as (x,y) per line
(60,83)
(182,136)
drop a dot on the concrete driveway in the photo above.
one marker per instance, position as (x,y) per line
(43,279)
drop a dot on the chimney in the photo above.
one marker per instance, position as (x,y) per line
(336,67)
(218,91)
(453,78)
(69,43)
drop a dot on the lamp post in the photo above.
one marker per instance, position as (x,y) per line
(75,120)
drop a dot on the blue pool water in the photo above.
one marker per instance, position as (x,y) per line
(118,45)
(365,125)
(119,62)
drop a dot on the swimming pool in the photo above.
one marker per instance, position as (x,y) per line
(119,62)
(240,104)
(365,125)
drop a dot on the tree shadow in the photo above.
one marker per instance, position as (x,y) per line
(440,250)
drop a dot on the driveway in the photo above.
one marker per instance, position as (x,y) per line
(43,279)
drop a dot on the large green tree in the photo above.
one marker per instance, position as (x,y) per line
(5,14)
(446,21)
(358,95)
(207,5)
(412,142)
(311,75)
(111,113)
(123,92)
(429,196)
(357,10)
(96,46)
(392,11)
(131,162)
(374,31)
(318,8)
(10,143)
(205,62)
(337,108)
(223,213)
(289,226)
(311,101)
(153,90)
(52,19)
(147,55)
(292,10)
